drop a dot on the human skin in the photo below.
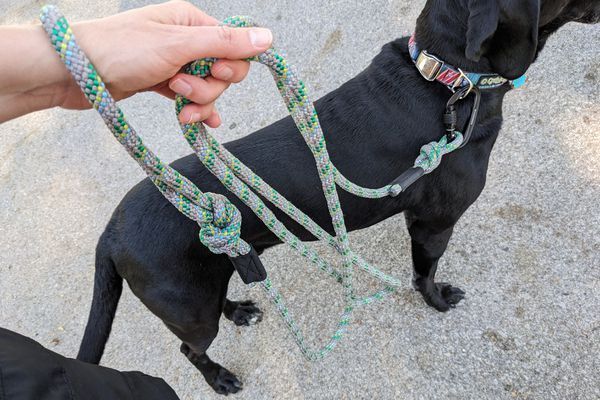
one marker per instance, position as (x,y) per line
(135,51)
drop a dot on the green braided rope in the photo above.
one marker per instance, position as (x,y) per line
(219,219)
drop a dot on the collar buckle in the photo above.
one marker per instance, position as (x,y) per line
(428,65)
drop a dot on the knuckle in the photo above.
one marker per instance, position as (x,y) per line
(180,11)
(179,3)
(184,6)
(207,111)
(239,70)
(199,97)
(202,98)
(226,35)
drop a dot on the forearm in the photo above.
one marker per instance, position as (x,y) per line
(32,77)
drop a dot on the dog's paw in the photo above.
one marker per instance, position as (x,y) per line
(225,382)
(442,296)
(245,313)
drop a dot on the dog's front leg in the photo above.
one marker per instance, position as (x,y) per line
(429,242)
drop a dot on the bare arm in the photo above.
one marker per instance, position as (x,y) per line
(32,77)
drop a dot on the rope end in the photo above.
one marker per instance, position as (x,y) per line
(249,267)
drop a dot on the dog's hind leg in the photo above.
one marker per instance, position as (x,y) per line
(194,346)
(190,299)
(429,242)
(196,338)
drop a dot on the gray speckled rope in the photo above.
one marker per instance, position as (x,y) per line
(218,218)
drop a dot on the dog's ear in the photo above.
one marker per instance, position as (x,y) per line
(484,16)
(505,32)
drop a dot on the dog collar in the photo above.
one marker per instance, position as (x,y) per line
(434,69)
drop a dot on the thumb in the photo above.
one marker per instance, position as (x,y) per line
(222,42)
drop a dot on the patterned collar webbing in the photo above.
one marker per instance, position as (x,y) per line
(432,68)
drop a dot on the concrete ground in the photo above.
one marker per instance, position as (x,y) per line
(527,253)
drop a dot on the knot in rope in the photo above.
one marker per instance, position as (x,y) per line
(431,154)
(222,234)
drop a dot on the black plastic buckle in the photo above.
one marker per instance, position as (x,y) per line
(249,266)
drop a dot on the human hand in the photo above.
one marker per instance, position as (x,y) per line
(139,50)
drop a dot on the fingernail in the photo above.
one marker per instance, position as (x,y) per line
(181,87)
(261,38)
(225,73)
(194,117)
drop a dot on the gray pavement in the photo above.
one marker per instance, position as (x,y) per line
(527,253)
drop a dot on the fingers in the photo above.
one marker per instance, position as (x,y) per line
(214,121)
(199,112)
(194,35)
(233,71)
(198,90)
(196,42)
(164,90)
(205,91)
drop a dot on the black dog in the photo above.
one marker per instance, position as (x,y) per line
(388,111)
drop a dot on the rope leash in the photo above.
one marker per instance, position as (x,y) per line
(218,218)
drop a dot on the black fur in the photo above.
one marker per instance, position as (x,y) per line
(375,125)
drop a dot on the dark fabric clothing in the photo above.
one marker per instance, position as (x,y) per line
(28,371)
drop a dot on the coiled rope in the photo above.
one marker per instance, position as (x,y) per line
(219,220)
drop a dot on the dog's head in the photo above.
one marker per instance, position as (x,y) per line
(501,36)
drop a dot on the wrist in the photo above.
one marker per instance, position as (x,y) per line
(33,76)
(40,67)
(51,81)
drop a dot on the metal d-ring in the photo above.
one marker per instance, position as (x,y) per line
(458,83)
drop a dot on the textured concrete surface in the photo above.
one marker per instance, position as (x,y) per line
(528,252)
